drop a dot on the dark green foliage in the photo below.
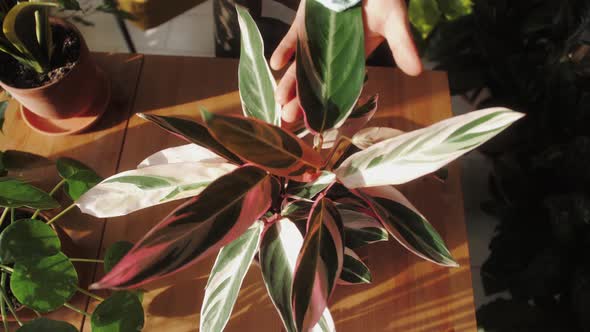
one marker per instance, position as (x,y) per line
(533,57)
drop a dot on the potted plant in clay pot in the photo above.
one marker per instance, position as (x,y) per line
(37,274)
(45,65)
(262,193)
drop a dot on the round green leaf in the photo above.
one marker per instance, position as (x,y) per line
(114,254)
(46,325)
(79,177)
(44,284)
(16,193)
(28,239)
(122,312)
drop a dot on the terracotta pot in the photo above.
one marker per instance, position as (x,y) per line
(73,95)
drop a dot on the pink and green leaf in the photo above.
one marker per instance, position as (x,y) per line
(354,270)
(201,226)
(408,226)
(193,132)
(279,248)
(269,147)
(319,264)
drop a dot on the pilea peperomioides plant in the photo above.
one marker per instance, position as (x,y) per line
(35,272)
(261,192)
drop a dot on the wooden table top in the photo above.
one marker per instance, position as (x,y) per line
(407,293)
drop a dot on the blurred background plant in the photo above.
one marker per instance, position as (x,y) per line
(532,56)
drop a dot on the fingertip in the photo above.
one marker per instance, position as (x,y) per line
(291,113)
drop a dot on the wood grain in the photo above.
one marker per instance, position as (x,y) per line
(407,294)
(99,148)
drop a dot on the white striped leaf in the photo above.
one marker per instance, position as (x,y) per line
(361,229)
(409,156)
(279,248)
(137,189)
(319,264)
(330,65)
(367,137)
(226,278)
(199,227)
(181,154)
(408,226)
(308,190)
(354,270)
(257,85)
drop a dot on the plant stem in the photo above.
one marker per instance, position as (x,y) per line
(7,268)
(11,215)
(10,307)
(87,260)
(87,293)
(2,308)
(37,313)
(81,312)
(61,214)
(51,193)
(3,216)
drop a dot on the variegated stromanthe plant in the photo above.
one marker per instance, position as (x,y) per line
(261,193)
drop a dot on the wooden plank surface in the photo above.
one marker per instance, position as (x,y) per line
(99,148)
(407,294)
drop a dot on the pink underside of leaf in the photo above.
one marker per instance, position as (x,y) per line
(320,292)
(131,264)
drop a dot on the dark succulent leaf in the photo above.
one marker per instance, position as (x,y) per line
(319,264)
(201,226)
(270,147)
(16,193)
(115,253)
(46,325)
(45,284)
(79,177)
(192,132)
(27,239)
(330,65)
(121,312)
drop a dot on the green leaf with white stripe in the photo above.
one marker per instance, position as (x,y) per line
(257,85)
(308,190)
(411,155)
(361,229)
(408,226)
(226,278)
(354,270)
(137,189)
(330,65)
(279,249)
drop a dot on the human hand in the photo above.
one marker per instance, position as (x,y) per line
(383,20)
